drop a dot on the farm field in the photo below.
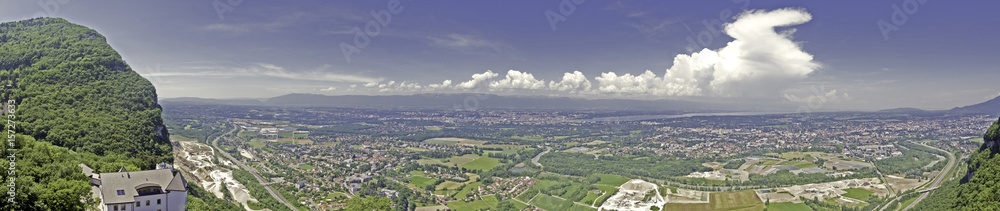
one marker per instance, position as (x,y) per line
(552,203)
(482,163)
(421,181)
(471,205)
(788,206)
(858,193)
(449,185)
(454,141)
(612,180)
(742,200)
(452,161)
(468,161)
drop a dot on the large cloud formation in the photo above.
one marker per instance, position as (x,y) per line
(759,62)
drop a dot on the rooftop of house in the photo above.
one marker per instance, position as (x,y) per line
(124,186)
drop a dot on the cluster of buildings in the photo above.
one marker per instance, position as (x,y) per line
(861,139)
(874,152)
(509,187)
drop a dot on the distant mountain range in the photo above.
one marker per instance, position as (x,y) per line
(989,107)
(470,101)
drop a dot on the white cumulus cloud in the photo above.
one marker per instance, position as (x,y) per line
(759,63)
(477,79)
(518,80)
(571,82)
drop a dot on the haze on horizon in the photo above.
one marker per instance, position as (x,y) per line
(858,55)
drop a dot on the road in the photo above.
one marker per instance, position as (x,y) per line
(933,184)
(891,192)
(539,156)
(937,180)
(215,143)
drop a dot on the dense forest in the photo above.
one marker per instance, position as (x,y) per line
(578,164)
(979,189)
(912,163)
(76,101)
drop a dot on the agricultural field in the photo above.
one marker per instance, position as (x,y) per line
(742,200)
(487,202)
(808,156)
(257,143)
(800,164)
(858,193)
(468,161)
(454,141)
(452,161)
(468,189)
(471,205)
(788,206)
(612,180)
(552,203)
(421,181)
(336,196)
(482,163)
(506,151)
(449,185)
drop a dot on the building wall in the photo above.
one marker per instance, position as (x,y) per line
(173,201)
(126,206)
(152,202)
(176,200)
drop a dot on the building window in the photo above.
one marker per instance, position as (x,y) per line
(149,190)
(121,192)
(157,201)
(115,206)
(147,202)
(138,204)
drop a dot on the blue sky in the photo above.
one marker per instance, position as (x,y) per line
(830,55)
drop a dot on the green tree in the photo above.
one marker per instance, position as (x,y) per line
(506,205)
(368,204)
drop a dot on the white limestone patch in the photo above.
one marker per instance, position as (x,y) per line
(633,196)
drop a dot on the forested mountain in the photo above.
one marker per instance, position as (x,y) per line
(988,107)
(980,189)
(76,102)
